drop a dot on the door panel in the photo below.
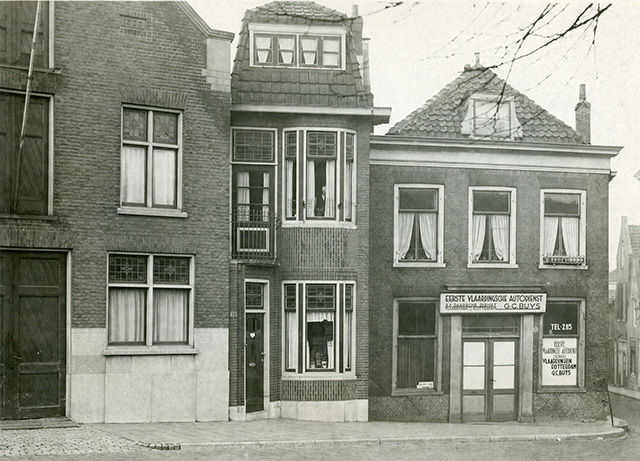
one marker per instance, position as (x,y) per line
(255,362)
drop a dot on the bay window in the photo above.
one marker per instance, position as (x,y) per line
(319,327)
(563,227)
(492,226)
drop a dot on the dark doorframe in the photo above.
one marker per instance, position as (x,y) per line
(254,362)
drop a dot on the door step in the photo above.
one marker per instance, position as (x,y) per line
(42,423)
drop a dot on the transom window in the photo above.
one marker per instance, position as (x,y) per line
(563,228)
(151,158)
(492,226)
(150,299)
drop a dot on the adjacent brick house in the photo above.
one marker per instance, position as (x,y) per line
(113,286)
(488,264)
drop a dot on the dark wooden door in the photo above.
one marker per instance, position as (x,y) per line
(33,319)
(255,362)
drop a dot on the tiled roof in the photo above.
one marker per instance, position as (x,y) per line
(289,86)
(634,237)
(442,115)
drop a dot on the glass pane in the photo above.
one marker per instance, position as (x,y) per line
(127,268)
(170,316)
(491,120)
(263,42)
(134,125)
(561,318)
(165,128)
(348,297)
(491,201)
(418,199)
(134,172)
(164,177)
(253,145)
(321,296)
(473,353)
(309,44)
(504,377)
(491,323)
(349,146)
(309,57)
(127,315)
(416,319)
(254,296)
(504,353)
(331,45)
(330,59)
(320,340)
(286,43)
(473,378)
(562,204)
(290,297)
(291,149)
(170,269)
(321,144)
(291,345)
(348,339)
(415,362)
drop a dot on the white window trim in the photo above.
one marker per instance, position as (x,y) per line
(304,374)
(583,228)
(437,384)
(301,219)
(468,124)
(512,230)
(439,262)
(253,128)
(148,348)
(580,386)
(156,211)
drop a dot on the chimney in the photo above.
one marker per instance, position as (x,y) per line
(583,115)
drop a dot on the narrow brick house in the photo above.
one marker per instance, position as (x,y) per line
(489,260)
(113,216)
(301,115)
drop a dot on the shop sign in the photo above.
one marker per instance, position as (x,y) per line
(559,361)
(487,303)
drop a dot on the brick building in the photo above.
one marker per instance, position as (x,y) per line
(113,216)
(488,264)
(301,115)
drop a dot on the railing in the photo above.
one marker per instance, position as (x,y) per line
(253,236)
(564,260)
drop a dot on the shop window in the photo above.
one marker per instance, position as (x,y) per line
(150,299)
(319,327)
(492,226)
(562,349)
(418,225)
(17,22)
(415,358)
(563,229)
(319,175)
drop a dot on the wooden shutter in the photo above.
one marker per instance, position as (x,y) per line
(17,20)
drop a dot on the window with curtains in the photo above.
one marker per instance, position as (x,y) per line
(150,299)
(415,346)
(319,170)
(492,226)
(563,228)
(151,158)
(418,225)
(319,327)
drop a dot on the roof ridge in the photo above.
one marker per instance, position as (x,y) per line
(288,8)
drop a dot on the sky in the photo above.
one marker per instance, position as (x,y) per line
(417,47)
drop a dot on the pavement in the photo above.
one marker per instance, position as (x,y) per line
(110,438)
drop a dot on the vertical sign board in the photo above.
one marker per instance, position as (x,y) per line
(559,361)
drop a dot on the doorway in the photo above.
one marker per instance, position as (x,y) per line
(256,360)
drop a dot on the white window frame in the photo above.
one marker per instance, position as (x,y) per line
(301,309)
(439,262)
(148,209)
(583,229)
(301,219)
(437,384)
(468,125)
(149,347)
(511,264)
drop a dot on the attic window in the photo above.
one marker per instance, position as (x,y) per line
(491,116)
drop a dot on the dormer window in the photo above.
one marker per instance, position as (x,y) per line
(491,116)
(276,46)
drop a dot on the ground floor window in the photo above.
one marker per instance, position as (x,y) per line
(319,326)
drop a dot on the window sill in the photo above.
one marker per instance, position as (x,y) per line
(565,390)
(43,70)
(564,267)
(158,212)
(319,376)
(29,217)
(319,223)
(153,350)
(491,266)
(418,264)
(416,392)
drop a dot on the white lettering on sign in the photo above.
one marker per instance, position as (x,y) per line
(559,361)
(479,303)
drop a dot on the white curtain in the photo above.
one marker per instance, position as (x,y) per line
(571,235)
(500,234)
(311,188)
(427,222)
(164,177)
(330,198)
(290,166)
(127,315)
(405,229)
(292,340)
(170,311)
(478,231)
(550,235)
(134,166)
(348,335)
(348,192)
(243,196)
(265,196)
(320,317)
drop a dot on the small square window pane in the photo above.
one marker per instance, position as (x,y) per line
(473,378)
(321,296)
(473,353)
(491,201)
(330,59)
(254,296)
(165,128)
(170,316)
(290,297)
(309,44)
(134,173)
(128,268)
(561,204)
(164,177)
(134,125)
(263,42)
(331,45)
(418,199)
(171,269)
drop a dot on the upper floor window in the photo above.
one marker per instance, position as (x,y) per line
(17,22)
(563,228)
(491,116)
(492,226)
(296,46)
(24,176)
(151,170)
(418,224)
(319,174)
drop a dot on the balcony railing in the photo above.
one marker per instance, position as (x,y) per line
(253,236)
(564,260)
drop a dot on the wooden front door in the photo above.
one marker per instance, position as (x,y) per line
(33,328)
(255,362)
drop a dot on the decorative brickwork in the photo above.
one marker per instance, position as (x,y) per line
(318,391)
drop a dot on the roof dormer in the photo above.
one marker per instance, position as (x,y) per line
(491,116)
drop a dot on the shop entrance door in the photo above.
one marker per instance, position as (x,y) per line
(489,379)
(255,362)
